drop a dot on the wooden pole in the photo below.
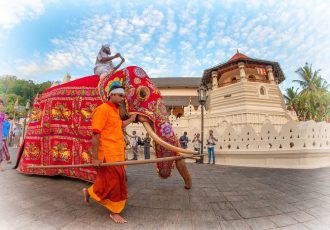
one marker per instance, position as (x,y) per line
(136,162)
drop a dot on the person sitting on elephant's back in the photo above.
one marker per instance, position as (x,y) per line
(103,63)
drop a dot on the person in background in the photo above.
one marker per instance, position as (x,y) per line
(135,145)
(197,142)
(210,146)
(184,141)
(2,118)
(17,136)
(5,132)
(146,146)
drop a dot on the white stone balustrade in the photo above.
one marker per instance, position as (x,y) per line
(291,145)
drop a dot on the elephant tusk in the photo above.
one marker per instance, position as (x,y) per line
(166,145)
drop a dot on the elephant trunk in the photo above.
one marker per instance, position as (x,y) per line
(180,164)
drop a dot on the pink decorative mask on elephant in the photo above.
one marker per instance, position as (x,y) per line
(59,131)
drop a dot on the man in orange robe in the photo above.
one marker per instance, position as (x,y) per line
(108,145)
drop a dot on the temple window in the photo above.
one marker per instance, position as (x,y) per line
(262,90)
(234,80)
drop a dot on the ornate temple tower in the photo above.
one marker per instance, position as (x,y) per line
(244,91)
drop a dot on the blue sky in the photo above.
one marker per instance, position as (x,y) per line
(42,40)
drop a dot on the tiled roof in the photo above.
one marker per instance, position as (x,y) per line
(180,100)
(177,82)
(238,56)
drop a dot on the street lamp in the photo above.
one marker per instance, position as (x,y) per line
(202,100)
(27,108)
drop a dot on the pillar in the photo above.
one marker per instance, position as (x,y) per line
(214,79)
(269,69)
(242,71)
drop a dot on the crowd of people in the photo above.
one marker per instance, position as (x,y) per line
(134,143)
(210,143)
(4,132)
(8,136)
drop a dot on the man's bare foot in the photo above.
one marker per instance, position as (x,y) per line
(86,196)
(117,218)
(9,162)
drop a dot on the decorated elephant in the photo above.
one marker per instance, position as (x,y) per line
(59,131)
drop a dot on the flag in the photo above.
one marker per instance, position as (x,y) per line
(261,71)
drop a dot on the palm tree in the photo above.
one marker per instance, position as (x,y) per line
(291,98)
(314,102)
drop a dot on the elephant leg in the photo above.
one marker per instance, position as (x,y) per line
(182,168)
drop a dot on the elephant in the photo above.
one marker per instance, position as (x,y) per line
(61,120)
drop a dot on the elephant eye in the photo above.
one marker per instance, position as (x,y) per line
(143,93)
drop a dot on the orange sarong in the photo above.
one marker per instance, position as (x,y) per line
(109,188)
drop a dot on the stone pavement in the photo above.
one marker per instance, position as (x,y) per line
(222,197)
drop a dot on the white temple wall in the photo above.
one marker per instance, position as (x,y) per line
(292,145)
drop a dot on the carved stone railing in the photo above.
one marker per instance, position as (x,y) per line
(295,145)
(293,135)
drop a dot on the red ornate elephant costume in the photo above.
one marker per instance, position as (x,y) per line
(59,131)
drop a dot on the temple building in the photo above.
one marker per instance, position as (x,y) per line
(241,91)
(245,90)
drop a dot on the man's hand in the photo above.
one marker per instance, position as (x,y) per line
(129,120)
(96,162)
(117,55)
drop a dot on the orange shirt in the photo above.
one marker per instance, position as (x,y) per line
(107,122)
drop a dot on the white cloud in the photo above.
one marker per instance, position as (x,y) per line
(145,37)
(14,12)
(53,62)
(169,39)
(136,21)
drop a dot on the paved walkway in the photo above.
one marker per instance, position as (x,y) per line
(222,197)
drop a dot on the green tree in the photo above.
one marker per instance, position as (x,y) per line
(7,83)
(9,102)
(291,98)
(313,99)
(11,88)
(40,88)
